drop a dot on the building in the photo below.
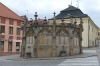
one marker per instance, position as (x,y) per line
(90,33)
(10,34)
(43,39)
(99,36)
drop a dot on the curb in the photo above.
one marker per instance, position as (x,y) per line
(58,58)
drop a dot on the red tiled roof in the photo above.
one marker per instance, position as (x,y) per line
(6,12)
(39,20)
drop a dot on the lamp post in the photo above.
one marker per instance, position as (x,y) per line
(0,34)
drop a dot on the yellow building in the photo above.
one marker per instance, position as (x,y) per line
(90,33)
(99,36)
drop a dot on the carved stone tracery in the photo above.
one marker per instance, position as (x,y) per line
(52,39)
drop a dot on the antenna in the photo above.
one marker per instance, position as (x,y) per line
(71,2)
(27,13)
(78,3)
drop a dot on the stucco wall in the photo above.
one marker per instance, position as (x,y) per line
(91,36)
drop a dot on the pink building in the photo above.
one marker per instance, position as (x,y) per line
(10,33)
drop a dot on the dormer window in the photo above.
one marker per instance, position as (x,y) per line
(68,15)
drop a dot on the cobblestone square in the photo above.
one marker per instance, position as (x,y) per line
(85,61)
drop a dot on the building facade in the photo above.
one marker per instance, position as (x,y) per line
(42,39)
(10,33)
(99,36)
(90,33)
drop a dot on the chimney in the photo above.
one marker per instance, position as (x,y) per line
(69,5)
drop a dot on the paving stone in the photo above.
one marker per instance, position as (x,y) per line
(89,61)
(89,51)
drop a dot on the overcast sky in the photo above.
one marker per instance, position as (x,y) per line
(47,7)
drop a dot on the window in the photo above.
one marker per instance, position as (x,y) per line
(62,40)
(3,20)
(92,29)
(10,30)
(17,46)
(29,38)
(2,29)
(18,23)
(92,43)
(89,27)
(9,46)
(11,22)
(2,46)
(18,31)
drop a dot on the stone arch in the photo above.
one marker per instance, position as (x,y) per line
(62,34)
(30,37)
(49,38)
(44,40)
(62,40)
(76,38)
(42,36)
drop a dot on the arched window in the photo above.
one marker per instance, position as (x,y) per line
(40,36)
(49,39)
(62,40)
(30,37)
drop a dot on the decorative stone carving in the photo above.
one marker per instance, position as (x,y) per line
(51,40)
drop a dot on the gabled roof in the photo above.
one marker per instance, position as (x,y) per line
(75,12)
(6,12)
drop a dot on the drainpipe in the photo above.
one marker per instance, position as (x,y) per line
(0,34)
(88,33)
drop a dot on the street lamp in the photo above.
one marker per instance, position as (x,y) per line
(0,34)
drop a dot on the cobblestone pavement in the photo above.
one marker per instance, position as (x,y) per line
(98,53)
(88,61)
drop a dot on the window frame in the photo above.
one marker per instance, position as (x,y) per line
(11,30)
(10,46)
(2,28)
(2,46)
(17,45)
(18,31)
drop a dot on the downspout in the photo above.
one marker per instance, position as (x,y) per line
(0,34)
(88,33)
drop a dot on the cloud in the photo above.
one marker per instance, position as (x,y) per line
(47,7)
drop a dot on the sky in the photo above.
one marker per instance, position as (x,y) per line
(47,7)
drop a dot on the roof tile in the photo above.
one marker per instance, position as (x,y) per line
(75,12)
(6,12)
